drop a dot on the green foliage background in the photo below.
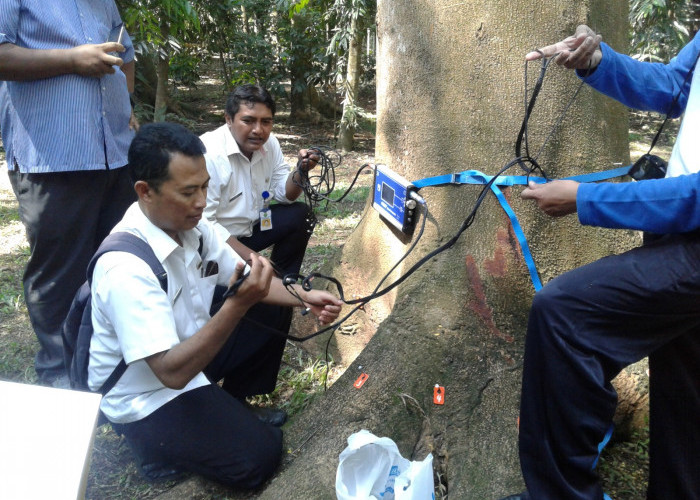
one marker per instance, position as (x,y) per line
(659,28)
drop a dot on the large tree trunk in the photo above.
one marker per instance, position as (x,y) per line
(450,98)
(450,83)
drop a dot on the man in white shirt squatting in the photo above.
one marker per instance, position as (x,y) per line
(168,404)
(248,171)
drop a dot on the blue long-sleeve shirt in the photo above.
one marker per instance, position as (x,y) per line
(668,205)
(646,86)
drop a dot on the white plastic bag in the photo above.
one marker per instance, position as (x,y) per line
(417,482)
(371,468)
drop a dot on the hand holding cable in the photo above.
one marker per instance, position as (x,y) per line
(247,288)
(579,51)
(324,305)
(308,159)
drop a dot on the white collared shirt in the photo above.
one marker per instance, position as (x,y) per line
(234,196)
(134,318)
(686,150)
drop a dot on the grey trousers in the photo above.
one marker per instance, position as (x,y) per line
(66,215)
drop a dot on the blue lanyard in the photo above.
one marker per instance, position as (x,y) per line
(479,178)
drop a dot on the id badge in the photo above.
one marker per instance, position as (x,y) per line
(265,220)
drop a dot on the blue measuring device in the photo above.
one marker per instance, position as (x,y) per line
(392,199)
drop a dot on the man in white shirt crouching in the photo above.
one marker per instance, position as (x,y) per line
(167,403)
(248,171)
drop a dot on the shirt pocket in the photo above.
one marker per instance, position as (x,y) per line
(207,286)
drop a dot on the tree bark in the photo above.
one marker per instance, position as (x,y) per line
(450,98)
(244,20)
(298,93)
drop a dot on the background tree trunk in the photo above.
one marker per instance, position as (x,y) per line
(352,85)
(299,70)
(162,70)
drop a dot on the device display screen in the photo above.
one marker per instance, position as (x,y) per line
(387,194)
(391,192)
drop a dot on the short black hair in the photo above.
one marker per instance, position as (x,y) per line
(248,93)
(153,147)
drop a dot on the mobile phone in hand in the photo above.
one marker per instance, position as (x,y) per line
(116,34)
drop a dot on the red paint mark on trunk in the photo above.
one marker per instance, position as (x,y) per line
(504,250)
(498,265)
(478,302)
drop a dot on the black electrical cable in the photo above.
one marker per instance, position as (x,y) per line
(306,281)
(523,133)
(529,106)
(520,160)
(318,183)
(291,280)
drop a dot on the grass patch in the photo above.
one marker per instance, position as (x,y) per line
(351,204)
(300,379)
(8,214)
(336,229)
(17,342)
(17,361)
(316,257)
(10,302)
(624,468)
(11,290)
(118,477)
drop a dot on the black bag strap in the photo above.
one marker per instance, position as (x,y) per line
(127,242)
(113,378)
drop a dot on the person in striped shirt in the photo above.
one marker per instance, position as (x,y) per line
(66,123)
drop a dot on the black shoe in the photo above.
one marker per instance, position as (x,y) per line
(161,472)
(519,496)
(272,416)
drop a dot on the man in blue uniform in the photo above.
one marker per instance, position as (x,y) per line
(589,323)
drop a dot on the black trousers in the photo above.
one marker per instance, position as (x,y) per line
(584,327)
(66,216)
(288,237)
(208,430)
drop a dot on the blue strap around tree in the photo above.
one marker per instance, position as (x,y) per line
(479,178)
